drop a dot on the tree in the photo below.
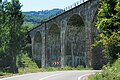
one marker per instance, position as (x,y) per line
(12,33)
(15,22)
(109,26)
(4,59)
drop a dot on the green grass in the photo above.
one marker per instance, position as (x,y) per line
(26,70)
(109,72)
(27,65)
(49,69)
(5,74)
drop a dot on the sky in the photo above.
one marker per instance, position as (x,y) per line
(39,5)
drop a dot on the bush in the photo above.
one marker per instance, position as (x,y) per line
(110,72)
(26,64)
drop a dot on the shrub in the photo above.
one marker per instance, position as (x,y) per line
(110,72)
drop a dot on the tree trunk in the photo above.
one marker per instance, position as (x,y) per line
(13,66)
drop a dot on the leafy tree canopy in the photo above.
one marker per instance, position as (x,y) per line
(108,25)
(12,33)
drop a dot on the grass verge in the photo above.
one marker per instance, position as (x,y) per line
(27,65)
(33,70)
(110,72)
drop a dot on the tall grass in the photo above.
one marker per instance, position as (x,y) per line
(110,72)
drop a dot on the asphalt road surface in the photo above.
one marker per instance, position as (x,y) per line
(58,75)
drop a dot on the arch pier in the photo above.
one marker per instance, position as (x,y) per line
(65,40)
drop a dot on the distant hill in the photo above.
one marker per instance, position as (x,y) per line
(38,16)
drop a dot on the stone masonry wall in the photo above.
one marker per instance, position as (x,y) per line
(66,39)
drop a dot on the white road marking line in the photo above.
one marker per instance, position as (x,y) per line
(49,76)
(79,78)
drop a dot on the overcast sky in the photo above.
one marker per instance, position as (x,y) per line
(38,5)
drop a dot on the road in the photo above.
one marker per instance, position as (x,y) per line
(58,75)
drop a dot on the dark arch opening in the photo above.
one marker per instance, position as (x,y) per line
(53,46)
(37,37)
(75,42)
(75,20)
(37,54)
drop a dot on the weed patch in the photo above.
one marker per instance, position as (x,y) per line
(110,72)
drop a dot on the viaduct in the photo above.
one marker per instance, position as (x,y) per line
(65,39)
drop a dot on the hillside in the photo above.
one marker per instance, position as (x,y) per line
(38,16)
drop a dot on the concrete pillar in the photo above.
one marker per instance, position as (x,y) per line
(62,36)
(88,44)
(72,50)
(43,52)
(32,39)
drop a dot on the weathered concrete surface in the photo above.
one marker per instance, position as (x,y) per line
(67,38)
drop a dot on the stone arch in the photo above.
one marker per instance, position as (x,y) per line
(77,17)
(75,41)
(53,46)
(37,49)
